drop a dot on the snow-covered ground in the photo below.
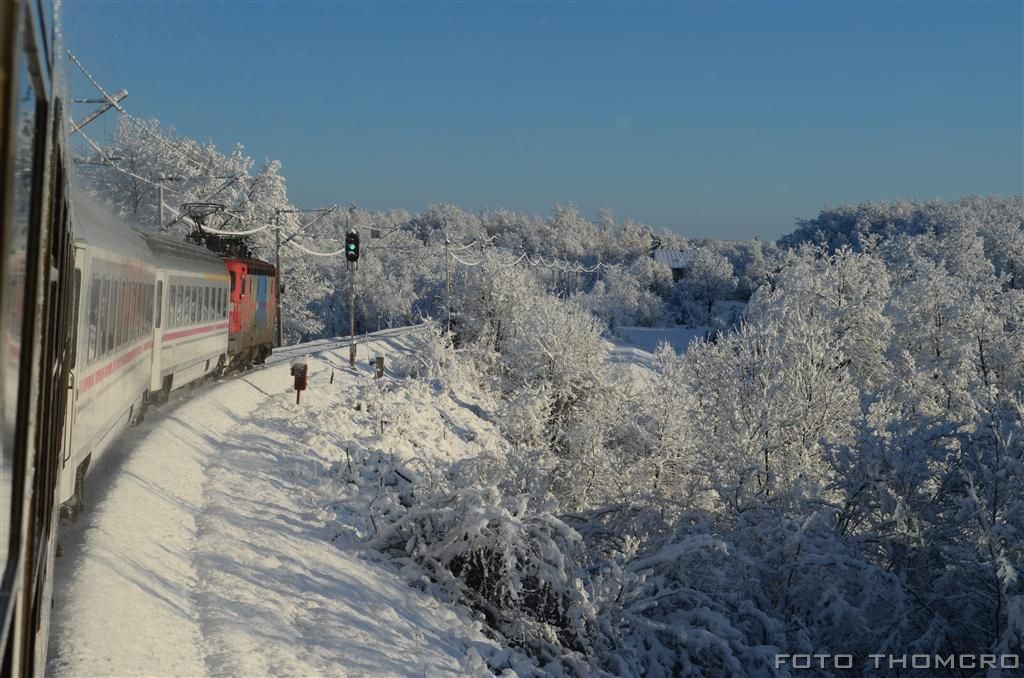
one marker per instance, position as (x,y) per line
(647,339)
(220,537)
(212,544)
(634,347)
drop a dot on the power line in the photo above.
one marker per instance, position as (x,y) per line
(313,253)
(117,167)
(115,103)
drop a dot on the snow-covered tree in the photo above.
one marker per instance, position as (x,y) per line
(709,280)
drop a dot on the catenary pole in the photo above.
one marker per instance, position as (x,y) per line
(448,279)
(351,294)
(352,314)
(277,264)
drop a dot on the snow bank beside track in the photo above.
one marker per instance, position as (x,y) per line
(206,548)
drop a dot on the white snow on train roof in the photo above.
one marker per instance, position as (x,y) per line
(97,225)
(176,255)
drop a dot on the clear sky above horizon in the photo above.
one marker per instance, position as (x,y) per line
(727,119)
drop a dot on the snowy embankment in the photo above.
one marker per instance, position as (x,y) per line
(635,346)
(216,540)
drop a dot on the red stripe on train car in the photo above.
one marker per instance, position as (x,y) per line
(194,330)
(113,366)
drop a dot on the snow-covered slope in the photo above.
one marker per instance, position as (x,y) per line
(214,544)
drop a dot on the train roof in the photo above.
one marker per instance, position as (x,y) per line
(97,225)
(173,254)
(251,263)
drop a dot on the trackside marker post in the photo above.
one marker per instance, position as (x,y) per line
(299,371)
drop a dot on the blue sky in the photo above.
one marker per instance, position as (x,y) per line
(727,119)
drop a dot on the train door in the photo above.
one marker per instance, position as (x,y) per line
(158,320)
(261,301)
(79,350)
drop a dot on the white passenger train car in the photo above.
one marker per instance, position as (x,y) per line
(152,317)
(115,274)
(190,329)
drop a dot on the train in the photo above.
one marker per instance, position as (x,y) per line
(99,320)
(150,314)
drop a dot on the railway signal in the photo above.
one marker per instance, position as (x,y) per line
(352,246)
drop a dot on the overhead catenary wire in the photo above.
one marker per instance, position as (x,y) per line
(120,109)
(96,147)
(165,145)
(464,262)
(253,231)
(299,246)
(474,243)
(534,262)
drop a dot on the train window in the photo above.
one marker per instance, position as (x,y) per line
(101,318)
(119,315)
(159,307)
(137,305)
(172,306)
(104,318)
(94,317)
(134,312)
(179,304)
(114,308)
(126,315)
(16,269)
(141,319)
(208,304)
(120,308)
(76,297)
(147,310)
(223,303)
(109,303)
(140,308)
(123,309)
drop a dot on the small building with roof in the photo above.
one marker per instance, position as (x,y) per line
(679,262)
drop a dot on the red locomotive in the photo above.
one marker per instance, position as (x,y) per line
(251,316)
